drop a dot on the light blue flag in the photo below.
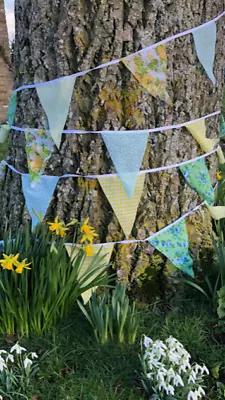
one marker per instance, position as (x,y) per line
(173,243)
(127,151)
(205,43)
(55,98)
(38,195)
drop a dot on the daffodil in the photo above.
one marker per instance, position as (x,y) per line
(58,227)
(89,250)
(9,261)
(88,232)
(21,266)
(219,176)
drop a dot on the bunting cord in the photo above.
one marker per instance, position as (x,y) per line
(113,62)
(152,130)
(149,237)
(164,168)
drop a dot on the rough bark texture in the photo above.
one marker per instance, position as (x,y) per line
(60,37)
(5,65)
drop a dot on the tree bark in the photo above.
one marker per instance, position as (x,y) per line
(60,37)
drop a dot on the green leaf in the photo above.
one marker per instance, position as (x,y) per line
(215,371)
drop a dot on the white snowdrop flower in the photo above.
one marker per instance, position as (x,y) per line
(34,355)
(170,374)
(204,370)
(10,358)
(192,395)
(3,352)
(177,380)
(170,390)
(2,364)
(17,348)
(147,341)
(192,377)
(200,392)
(173,357)
(158,344)
(160,375)
(27,362)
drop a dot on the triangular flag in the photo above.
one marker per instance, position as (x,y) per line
(198,131)
(127,152)
(55,98)
(39,146)
(217,213)
(205,44)
(38,195)
(197,176)
(222,126)
(149,68)
(124,208)
(106,251)
(173,243)
(11,109)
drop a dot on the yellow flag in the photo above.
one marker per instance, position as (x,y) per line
(217,212)
(105,251)
(124,207)
(198,131)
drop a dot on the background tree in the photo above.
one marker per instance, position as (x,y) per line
(60,37)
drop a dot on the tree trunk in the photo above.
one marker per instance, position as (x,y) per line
(60,37)
(5,65)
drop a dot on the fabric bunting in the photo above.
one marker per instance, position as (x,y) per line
(197,176)
(149,68)
(222,126)
(55,98)
(205,44)
(10,117)
(39,146)
(217,212)
(124,208)
(127,152)
(198,131)
(106,252)
(173,243)
(38,195)
(4,133)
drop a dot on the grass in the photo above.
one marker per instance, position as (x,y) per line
(76,367)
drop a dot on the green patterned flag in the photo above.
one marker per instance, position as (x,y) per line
(11,109)
(173,243)
(222,126)
(198,178)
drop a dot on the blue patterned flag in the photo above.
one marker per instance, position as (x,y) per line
(127,152)
(197,176)
(173,243)
(38,195)
(55,98)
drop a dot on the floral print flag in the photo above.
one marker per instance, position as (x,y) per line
(173,243)
(39,146)
(198,178)
(149,68)
(11,109)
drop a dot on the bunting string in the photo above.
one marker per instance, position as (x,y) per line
(151,130)
(142,172)
(113,62)
(151,236)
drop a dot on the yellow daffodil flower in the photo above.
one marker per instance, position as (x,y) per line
(219,176)
(9,261)
(88,232)
(58,227)
(21,266)
(89,250)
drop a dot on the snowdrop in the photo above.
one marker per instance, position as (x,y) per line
(168,369)
(27,362)
(17,348)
